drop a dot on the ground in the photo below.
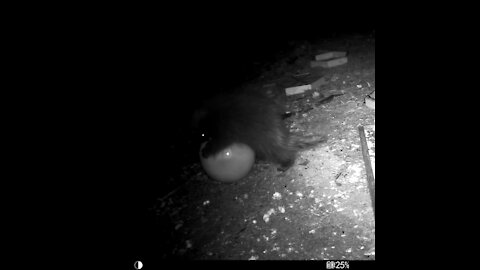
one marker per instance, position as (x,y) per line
(319,209)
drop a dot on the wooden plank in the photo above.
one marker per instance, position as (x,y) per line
(368,166)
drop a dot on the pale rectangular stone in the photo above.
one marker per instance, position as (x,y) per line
(297,89)
(316,84)
(329,55)
(330,63)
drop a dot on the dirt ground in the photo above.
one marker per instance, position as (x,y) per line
(320,209)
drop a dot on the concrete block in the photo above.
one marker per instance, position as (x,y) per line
(316,84)
(330,63)
(329,55)
(297,89)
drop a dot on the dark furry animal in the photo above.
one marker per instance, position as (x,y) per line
(253,119)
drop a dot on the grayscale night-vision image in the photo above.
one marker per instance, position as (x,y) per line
(249,141)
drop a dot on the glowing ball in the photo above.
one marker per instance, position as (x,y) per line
(231,164)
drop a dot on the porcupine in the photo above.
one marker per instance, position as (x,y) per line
(253,119)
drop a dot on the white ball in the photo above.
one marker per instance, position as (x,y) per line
(231,164)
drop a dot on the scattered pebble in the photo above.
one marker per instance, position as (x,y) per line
(266,217)
(370,253)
